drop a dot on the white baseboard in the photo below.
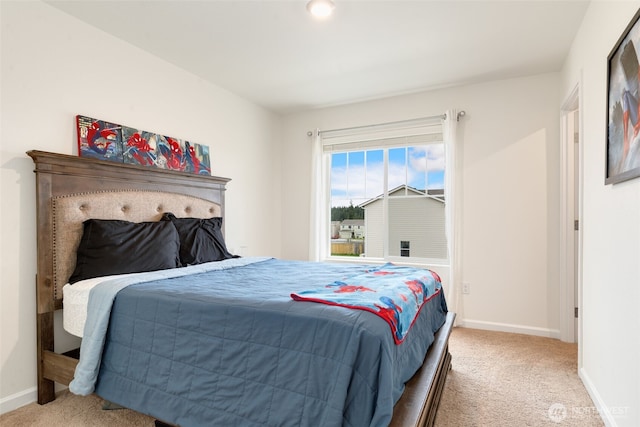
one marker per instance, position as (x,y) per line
(606,415)
(506,327)
(17,400)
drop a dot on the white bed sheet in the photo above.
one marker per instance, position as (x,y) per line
(76,298)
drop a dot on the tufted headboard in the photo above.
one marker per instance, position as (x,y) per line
(70,211)
(70,190)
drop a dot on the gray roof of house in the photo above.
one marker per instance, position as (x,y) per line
(436,194)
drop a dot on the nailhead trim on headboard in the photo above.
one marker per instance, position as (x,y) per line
(70,211)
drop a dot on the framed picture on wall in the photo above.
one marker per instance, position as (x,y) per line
(623,106)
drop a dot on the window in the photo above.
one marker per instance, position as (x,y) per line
(391,188)
(405,247)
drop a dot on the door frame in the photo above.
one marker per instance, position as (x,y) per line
(571,210)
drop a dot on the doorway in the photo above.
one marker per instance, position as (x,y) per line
(570,217)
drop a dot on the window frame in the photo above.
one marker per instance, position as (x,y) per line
(376,144)
(405,245)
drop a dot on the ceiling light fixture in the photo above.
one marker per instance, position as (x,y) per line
(320,8)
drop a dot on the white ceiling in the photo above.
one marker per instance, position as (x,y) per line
(275,54)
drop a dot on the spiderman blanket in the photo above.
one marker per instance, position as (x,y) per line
(393,292)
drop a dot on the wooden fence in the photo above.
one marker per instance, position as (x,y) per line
(354,248)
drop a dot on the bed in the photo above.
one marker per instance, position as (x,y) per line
(71,190)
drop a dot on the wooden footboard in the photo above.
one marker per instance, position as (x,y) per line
(419,402)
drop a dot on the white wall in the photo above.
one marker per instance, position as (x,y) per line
(510,139)
(610,348)
(54,67)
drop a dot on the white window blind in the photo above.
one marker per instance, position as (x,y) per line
(416,132)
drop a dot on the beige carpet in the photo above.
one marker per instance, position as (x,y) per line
(513,380)
(498,379)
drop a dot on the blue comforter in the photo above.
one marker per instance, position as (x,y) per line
(230,348)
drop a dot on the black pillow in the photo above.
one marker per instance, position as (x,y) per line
(115,247)
(201,240)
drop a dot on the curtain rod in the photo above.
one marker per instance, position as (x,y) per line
(399,122)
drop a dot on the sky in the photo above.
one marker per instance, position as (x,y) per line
(359,176)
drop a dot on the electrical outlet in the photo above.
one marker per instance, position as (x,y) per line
(466,287)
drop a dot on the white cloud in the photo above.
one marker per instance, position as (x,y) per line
(429,156)
(357,184)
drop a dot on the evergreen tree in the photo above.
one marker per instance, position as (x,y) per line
(340,213)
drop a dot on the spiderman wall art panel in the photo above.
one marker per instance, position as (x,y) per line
(107,141)
(139,147)
(99,139)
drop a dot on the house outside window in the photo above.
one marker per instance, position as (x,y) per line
(393,189)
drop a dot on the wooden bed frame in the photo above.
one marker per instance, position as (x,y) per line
(73,179)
